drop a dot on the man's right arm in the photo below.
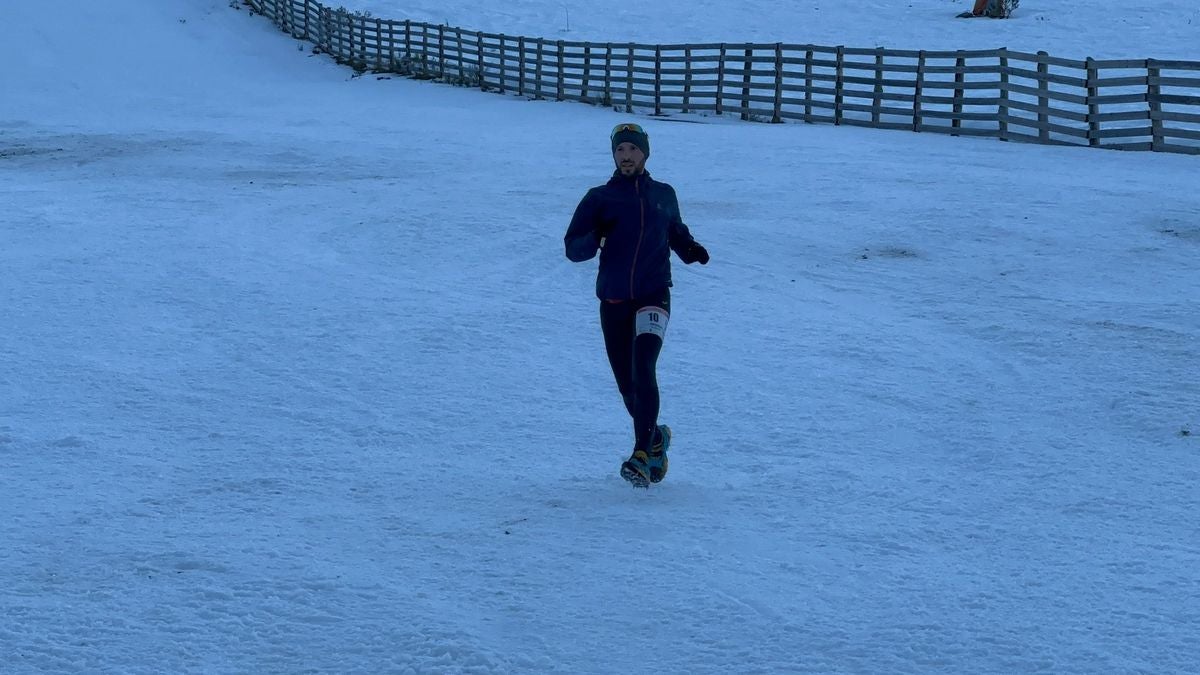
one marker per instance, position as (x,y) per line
(581,241)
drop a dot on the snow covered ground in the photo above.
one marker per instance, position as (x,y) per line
(1164,29)
(294,375)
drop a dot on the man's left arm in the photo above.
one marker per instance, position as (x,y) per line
(680,238)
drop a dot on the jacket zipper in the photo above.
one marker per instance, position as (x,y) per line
(641,234)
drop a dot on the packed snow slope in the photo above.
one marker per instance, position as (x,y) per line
(1163,29)
(294,377)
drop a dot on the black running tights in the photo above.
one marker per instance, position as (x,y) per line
(633,356)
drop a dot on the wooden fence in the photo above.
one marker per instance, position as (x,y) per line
(1142,104)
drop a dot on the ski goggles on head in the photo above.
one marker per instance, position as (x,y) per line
(627,126)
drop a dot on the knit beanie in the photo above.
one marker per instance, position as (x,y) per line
(631,133)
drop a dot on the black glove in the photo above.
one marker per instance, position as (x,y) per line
(696,253)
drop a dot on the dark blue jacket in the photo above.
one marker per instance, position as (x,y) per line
(638,218)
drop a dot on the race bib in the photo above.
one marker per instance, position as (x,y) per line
(652,320)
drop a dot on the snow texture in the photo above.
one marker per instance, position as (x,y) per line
(294,375)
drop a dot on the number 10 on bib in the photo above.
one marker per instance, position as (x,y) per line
(652,320)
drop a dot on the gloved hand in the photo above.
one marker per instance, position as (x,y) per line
(695,253)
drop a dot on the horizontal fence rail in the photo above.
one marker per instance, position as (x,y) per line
(1142,104)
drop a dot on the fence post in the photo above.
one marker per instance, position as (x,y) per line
(345,29)
(1002,113)
(306,6)
(658,79)
(608,60)
(326,17)
(1154,99)
(442,51)
(839,85)
(479,55)
(521,65)
(561,75)
(960,62)
(877,102)
(322,36)
(687,78)
(379,45)
(746,83)
(808,84)
(364,45)
(720,78)
(919,91)
(429,52)
(393,62)
(320,30)
(629,83)
(503,69)
(360,25)
(1093,76)
(1043,70)
(776,117)
(537,69)
(285,20)
(587,71)
(408,61)
(350,37)
(408,41)
(460,65)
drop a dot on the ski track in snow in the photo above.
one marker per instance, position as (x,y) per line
(309,387)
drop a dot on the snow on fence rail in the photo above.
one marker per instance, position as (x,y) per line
(1143,104)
